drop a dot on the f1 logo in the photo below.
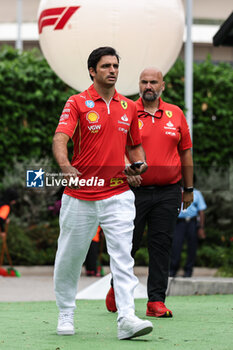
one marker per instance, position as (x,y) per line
(58,16)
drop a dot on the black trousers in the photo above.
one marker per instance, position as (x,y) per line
(92,256)
(158,207)
(185,230)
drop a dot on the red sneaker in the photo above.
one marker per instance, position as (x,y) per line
(157,309)
(110,301)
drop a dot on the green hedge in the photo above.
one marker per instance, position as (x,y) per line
(35,245)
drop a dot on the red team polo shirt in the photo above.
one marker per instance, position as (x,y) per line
(163,136)
(100,133)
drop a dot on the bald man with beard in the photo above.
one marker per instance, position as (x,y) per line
(158,192)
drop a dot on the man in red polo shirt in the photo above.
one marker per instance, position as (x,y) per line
(101,124)
(167,143)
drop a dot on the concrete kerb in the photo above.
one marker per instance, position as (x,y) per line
(200,286)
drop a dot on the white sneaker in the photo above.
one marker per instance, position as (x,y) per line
(132,326)
(65,323)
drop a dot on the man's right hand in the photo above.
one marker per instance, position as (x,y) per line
(132,170)
(60,152)
(70,174)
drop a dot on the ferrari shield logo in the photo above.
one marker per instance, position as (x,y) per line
(124,104)
(169,114)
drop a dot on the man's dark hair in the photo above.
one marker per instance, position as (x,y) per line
(96,55)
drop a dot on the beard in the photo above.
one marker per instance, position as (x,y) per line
(150,97)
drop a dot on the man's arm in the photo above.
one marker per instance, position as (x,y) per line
(2,228)
(187,173)
(60,153)
(136,154)
(201,227)
(135,180)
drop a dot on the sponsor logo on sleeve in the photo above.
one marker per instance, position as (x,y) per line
(64,116)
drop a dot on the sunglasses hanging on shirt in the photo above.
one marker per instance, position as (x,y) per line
(158,114)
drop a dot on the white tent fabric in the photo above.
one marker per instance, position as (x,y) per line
(99,289)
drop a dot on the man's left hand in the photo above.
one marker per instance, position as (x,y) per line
(187,199)
(134,181)
(201,233)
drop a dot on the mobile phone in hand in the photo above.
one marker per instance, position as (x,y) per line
(136,165)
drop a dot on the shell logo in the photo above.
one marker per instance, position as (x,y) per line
(92,117)
(140,124)
(69,30)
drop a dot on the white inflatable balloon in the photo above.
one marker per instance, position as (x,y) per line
(144,33)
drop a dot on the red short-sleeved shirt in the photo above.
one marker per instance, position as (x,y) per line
(163,135)
(100,133)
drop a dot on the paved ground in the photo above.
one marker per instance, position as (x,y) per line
(36,283)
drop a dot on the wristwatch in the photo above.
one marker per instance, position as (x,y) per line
(188,189)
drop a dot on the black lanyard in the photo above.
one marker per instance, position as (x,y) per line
(144,114)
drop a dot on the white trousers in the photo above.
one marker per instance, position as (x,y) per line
(79,220)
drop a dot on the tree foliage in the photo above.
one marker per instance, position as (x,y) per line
(31,100)
(213,117)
